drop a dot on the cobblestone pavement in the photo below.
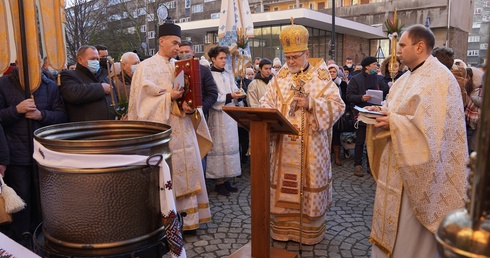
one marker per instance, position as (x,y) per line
(348,221)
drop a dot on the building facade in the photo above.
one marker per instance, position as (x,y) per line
(359,24)
(478,37)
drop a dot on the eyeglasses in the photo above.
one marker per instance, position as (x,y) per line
(277,67)
(294,58)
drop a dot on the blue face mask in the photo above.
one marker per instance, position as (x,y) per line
(93,66)
(133,68)
(373,71)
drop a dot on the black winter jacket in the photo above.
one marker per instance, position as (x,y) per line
(4,149)
(360,83)
(84,95)
(15,125)
(208,88)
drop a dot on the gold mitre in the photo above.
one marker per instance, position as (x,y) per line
(294,38)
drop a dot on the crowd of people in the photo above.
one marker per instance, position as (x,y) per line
(428,101)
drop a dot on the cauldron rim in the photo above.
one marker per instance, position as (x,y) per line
(47,135)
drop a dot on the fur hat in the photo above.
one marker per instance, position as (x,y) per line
(384,65)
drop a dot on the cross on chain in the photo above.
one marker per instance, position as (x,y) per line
(298,91)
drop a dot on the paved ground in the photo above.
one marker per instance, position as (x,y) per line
(348,221)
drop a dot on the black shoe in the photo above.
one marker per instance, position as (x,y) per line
(190,232)
(221,189)
(230,188)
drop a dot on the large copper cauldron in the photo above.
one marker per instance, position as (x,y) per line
(102,208)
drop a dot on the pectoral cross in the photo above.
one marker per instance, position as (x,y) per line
(298,92)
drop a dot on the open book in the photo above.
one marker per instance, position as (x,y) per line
(366,116)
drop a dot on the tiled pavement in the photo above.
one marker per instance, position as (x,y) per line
(348,221)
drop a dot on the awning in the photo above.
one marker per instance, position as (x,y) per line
(302,16)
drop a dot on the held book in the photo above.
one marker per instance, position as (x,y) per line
(366,116)
(191,81)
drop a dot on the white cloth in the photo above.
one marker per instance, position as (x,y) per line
(49,158)
(223,160)
(416,240)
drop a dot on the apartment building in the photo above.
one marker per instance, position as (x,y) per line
(359,24)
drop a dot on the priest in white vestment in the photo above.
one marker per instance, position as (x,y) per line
(153,98)
(301,173)
(417,152)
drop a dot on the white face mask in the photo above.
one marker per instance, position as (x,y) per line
(133,68)
(349,65)
(93,66)
(257,67)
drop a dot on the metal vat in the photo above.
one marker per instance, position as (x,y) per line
(102,208)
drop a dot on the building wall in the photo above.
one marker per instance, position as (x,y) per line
(355,47)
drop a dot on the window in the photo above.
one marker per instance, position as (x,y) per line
(150,17)
(199,48)
(187,4)
(484,46)
(186,19)
(131,30)
(477,11)
(476,25)
(312,5)
(207,1)
(170,5)
(485,18)
(215,15)
(291,6)
(150,34)
(151,51)
(473,53)
(276,8)
(211,38)
(198,8)
(143,28)
(474,39)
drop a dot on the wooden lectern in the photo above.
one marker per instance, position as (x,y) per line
(261,122)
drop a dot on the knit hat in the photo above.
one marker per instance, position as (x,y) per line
(276,62)
(368,60)
(204,62)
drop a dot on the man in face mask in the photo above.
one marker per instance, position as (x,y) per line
(368,79)
(85,90)
(103,54)
(129,62)
(208,85)
(349,64)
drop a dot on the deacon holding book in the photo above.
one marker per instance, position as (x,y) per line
(301,176)
(418,153)
(154,98)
